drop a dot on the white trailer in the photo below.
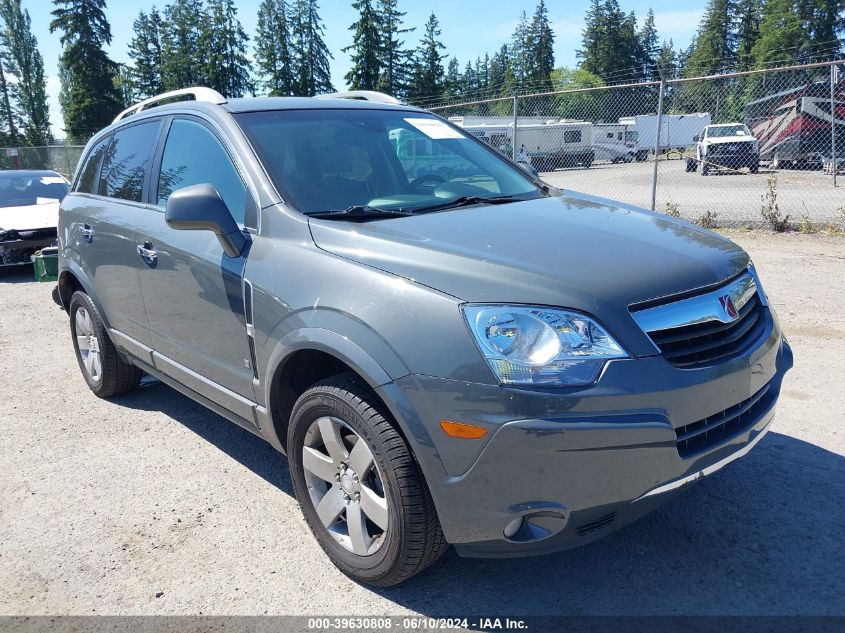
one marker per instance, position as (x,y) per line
(546,143)
(614,142)
(677,131)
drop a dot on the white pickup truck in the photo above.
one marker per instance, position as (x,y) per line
(726,145)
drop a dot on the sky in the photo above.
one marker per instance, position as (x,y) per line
(469,28)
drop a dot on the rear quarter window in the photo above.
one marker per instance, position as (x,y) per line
(126,161)
(85,183)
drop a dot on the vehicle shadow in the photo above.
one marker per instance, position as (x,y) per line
(17,274)
(762,536)
(239,444)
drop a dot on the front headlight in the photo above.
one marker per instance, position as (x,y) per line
(528,345)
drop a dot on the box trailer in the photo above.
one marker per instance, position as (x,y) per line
(677,131)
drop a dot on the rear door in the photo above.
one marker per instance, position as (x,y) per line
(102,218)
(192,290)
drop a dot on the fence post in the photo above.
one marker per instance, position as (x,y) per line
(833,73)
(657,143)
(515,118)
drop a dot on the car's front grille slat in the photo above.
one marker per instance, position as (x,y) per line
(699,344)
(720,427)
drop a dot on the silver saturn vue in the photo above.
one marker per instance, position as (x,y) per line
(448,350)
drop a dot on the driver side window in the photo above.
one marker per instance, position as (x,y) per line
(192,156)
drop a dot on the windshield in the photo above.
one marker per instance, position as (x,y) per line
(17,190)
(728,130)
(333,160)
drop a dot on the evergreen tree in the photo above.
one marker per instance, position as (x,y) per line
(540,57)
(520,51)
(183,58)
(8,117)
(227,66)
(310,54)
(784,34)
(453,83)
(827,27)
(648,42)
(394,60)
(610,46)
(91,97)
(365,47)
(23,62)
(145,51)
(272,52)
(747,15)
(498,73)
(667,59)
(428,68)
(712,51)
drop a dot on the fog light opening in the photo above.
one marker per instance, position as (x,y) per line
(535,526)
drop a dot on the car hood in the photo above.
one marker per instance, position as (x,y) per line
(720,140)
(574,251)
(32,216)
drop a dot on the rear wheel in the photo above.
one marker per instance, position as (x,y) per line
(105,372)
(359,488)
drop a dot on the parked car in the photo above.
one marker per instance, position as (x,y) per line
(29,212)
(729,145)
(478,360)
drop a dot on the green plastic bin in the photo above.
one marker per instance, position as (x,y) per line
(46,264)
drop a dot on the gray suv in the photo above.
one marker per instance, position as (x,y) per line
(448,350)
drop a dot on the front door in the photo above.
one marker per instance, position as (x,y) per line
(192,290)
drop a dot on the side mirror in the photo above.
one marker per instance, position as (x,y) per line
(530,170)
(695,138)
(200,208)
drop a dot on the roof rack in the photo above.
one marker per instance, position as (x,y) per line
(199,93)
(362,95)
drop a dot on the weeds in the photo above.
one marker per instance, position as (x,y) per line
(805,226)
(708,220)
(770,209)
(673,209)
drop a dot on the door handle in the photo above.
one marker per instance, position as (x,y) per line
(147,252)
(87,232)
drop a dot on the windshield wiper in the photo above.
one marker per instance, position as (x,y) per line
(465,201)
(360,212)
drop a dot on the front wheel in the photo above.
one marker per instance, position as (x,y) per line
(359,488)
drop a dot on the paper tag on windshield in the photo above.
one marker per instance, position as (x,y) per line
(51,180)
(435,129)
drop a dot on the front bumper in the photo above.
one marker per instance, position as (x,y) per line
(16,247)
(577,465)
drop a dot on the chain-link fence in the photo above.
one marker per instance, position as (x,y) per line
(58,158)
(744,149)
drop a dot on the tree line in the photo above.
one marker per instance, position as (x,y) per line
(202,42)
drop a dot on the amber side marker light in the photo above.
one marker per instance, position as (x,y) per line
(464,431)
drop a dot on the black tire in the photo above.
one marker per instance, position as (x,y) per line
(117,375)
(414,539)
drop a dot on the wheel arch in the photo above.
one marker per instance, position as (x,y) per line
(305,357)
(73,278)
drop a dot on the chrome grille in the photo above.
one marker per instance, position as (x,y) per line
(708,328)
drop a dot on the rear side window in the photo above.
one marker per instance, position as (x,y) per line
(126,161)
(85,184)
(193,156)
(572,136)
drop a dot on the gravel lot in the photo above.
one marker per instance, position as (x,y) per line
(734,197)
(149,504)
